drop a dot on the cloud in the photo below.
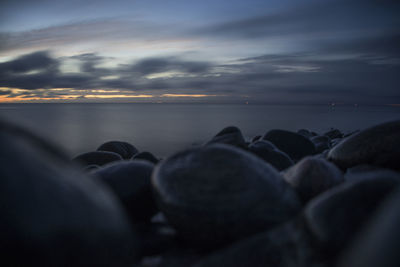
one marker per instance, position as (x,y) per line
(266,78)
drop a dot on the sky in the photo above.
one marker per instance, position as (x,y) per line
(253,51)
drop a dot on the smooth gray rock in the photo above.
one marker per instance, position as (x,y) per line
(378,244)
(311,176)
(337,215)
(268,152)
(216,194)
(144,155)
(284,246)
(54,215)
(293,144)
(99,158)
(378,145)
(124,149)
(334,133)
(231,136)
(131,182)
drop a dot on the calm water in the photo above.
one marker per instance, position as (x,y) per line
(165,128)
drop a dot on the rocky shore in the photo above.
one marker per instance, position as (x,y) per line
(282,199)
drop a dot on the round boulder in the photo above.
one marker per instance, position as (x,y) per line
(96,158)
(131,182)
(124,149)
(378,145)
(312,176)
(268,152)
(230,135)
(293,144)
(53,215)
(216,194)
(337,215)
(144,155)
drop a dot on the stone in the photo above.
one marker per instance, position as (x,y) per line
(230,135)
(293,144)
(337,215)
(378,145)
(52,214)
(216,194)
(99,158)
(334,133)
(255,138)
(131,183)
(144,155)
(311,176)
(321,143)
(268,152)
(379,241)
(124,149)
(306,133)
(280,247)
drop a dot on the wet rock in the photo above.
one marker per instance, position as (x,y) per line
(130,181)
(124,149)
(337,215)
(268,152)
(255,138)
(146,156)
(293,144)
(280,247)
(215,194)
(378,244)
(321,143)
(230,135)
(52,214)
(311,176)
(334,133)
(96,158)
(305,133)
(378,145)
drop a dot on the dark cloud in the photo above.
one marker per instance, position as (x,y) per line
(288,77)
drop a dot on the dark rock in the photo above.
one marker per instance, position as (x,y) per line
(124,149)
(280,247)
(131,182)
(295,145)
(230,135)
(334,133)
(361,171)
(268,152)
(337,215)
(378,244)
(146,156)
(305,133)
(157,238)
(256,138)
(321,143)
(54,215)
(378,145)
(215,194)
(96,158)
(92,167)
(312,176)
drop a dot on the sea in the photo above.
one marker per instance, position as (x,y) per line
(165,128)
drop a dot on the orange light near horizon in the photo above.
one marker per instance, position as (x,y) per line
(118,96)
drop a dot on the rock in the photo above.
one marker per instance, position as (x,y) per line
(230,135)
(157,238)
(146,156)
(216,194)
(378,145)
(131,182)
(280,247)
(312,176)
(334,133)
(54,215)
(96,158)
(305,133)
(255,138)
(321,143)
(378,243)
(293,144)
(337,215)
(124,149)
(268,152)
(91,167)
(361,171)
